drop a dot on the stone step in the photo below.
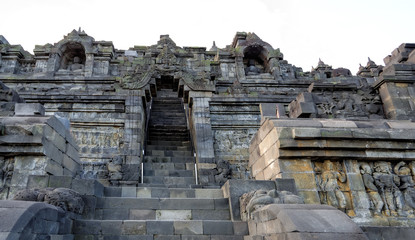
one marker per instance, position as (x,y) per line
(168,138)
(154,229)
(169,153)
(169,180)
(161,203)
(169,173)
(156,159)
(168,147)
(169,166)
(163,128)
(168,123)
(162,192)
(169,143)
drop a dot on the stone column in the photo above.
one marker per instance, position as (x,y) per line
(89,64)
(202,134)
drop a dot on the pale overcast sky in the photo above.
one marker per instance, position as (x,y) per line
(341,33)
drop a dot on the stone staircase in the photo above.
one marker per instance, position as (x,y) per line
(168,205)
(169,158)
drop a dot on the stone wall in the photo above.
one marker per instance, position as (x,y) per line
(35,146)
(342,163)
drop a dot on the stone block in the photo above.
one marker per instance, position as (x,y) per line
(338,124)
(304,181)
(70,164)
(208,193)
(144,192)
(272,170)
(269,227)
(234,189)
(38,181)
(87,227)
(323,236)
(295,165)
(336,133)
(142,214)
(115,213)
(321,220)
(88,187)
(286,185)
(268,141)
(111,227)
(130,227)
(58,125)
(240,228)
(55,138)
(188,227)
(173,214)
(307,133)
(160,227)
(193,237)
(182,204)
(129,192)
(50,150)
(215,227)
(29,109)
(60,181)
(72,152)
(54,168)
(217,214)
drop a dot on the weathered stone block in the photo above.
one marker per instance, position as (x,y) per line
(38,181)
(130,227)
(188,227)
(29,109)
(142,214)
(60,181)
(173,214)
(234,189)
(160,227)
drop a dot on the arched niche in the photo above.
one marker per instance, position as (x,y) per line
(72,56)
(255,60)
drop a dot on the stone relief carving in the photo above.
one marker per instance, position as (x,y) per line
(391,191)
(329,177)
(65,198)
(371,189)
(6,172)
(249,202)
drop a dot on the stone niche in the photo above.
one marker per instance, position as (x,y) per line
(73,57)
(365,169)
(255,60)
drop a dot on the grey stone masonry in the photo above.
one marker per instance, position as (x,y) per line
(34,220)
(35,146)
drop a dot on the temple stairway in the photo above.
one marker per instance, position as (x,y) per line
(169,205)
(169,159)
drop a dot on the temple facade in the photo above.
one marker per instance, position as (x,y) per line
(85,110)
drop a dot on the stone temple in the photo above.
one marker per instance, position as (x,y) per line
(169,142)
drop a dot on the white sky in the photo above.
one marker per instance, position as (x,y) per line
(341,33)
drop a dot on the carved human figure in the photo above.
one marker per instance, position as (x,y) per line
(406,185)
(6,173)
(76,65)
(252,69)
(387,184)
(371,188)
(332,195)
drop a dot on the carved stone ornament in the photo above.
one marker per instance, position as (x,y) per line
(249,202)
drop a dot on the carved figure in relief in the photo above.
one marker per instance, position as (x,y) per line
(332,195)
(6,173)
(371,188)
(252,69)
(406,186)
(387,184)
(76,65)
